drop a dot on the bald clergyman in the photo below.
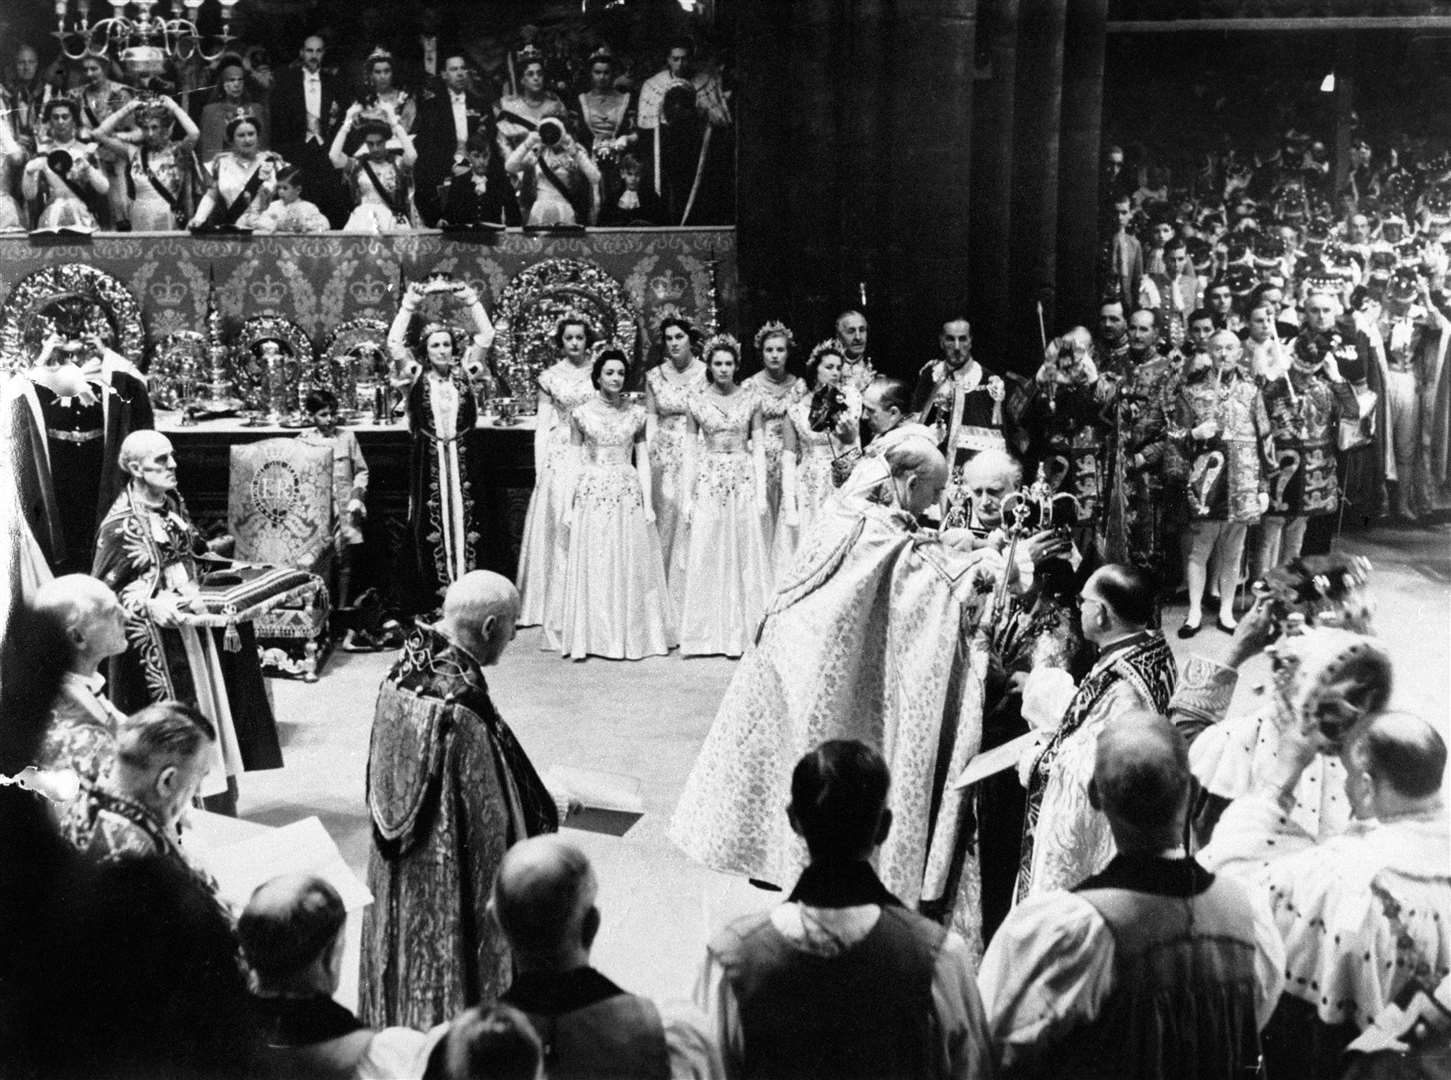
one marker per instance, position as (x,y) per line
(449,789)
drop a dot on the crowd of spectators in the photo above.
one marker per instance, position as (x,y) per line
(386,131)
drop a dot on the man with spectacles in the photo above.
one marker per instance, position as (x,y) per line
(1064,838)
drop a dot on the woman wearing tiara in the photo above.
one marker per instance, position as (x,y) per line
(777,390)
(615,602)
(722,578)
(819,429)
(669,386)
(243,179)
(441,414)
(382,184)
(562,387)
(383,101)
(157,168)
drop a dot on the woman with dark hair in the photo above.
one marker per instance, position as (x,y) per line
(562,387)
(382,186)
(819,429)
(441,414)
(669,387)
(722,579)
(381,99)
(229,98)
(615,603)
(67,175)
(242,178)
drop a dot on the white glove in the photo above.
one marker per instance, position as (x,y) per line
(1206,430)
(1264,502)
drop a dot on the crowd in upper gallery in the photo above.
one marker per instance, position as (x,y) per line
(383,132)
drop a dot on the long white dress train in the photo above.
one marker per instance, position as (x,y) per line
(543,551)
(615,603)
(672,392)
(722,580)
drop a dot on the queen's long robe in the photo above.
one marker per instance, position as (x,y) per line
(449,790)
(869,637)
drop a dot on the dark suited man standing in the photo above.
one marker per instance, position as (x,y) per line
(306,109)
(447,116)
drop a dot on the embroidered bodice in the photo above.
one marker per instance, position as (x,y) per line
(724,421)
(673,390)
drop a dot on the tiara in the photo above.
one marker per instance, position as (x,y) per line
(830,345)
(241,112)
(436,327)
(727,342)
(379,53)
(574,316)
(775,328)
(528,54)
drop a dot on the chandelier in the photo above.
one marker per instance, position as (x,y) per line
(143,44)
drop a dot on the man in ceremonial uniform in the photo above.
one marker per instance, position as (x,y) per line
(960,398)
(1064,416)
(24,95)
(1065,838)
(1305,407)
(449,789)
(1145,500)
(851,335)
(1414,337)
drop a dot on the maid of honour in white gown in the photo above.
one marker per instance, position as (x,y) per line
(669,387)
(806,482)
(562,387)
(722,578)
(776,390)
(614,602)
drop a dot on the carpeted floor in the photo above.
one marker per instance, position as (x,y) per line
(646,719)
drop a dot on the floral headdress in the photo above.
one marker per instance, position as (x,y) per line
(728,342)
(775,328)
(830,345)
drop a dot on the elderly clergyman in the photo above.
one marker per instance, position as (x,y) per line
(449,789)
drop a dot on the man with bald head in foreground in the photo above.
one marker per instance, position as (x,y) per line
(450,790)
(544,899)
(1366,915)
(1154,967)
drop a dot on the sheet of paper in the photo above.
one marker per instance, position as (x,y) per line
(610,802)
(991,762)
(304,847)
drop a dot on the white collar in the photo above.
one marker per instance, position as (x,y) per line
(92,683)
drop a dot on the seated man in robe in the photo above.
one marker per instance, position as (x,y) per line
(292,938)
(1366,915)
(841,979)
(544,899)
(871,637)
(1154,967)
(450,790)
(81,729)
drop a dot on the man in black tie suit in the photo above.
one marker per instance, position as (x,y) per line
(447,117)
(482,194)
(305,114)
